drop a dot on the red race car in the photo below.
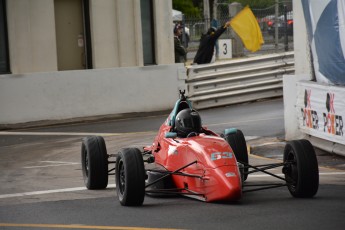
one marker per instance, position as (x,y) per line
(191,160)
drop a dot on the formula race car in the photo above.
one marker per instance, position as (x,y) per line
(191,160)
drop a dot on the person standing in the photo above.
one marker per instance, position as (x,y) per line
(180,51)
(207,44)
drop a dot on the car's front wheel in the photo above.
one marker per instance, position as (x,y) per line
(301,168)
(130,177)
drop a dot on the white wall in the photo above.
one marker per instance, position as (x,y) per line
(31,36)
(302,72)
(36,91)
(116,34)
(84,93)
(104,34)
(301,46)
(128,24)
(164,37)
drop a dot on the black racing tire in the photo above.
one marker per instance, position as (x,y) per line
(130,177)
(303,174)
(94,160)
(238,144)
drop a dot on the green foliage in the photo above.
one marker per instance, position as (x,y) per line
(187,8)
(194,8)
(255,4)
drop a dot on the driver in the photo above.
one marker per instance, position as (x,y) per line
(187,121)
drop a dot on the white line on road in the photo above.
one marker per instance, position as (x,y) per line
(59,162)
(59,134)
(113,186)
(47,192)
(320,174)
(52,164)
(46,166)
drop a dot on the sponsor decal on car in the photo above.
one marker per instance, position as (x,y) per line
(221,155)
(172,150)
(230,174)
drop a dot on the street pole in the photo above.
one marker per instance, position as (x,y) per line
(207,14)
(215,8)
(286,42)
(276,25)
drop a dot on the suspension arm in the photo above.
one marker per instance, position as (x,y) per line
(258,169)
(168,174)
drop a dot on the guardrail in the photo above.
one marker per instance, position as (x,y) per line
(238,80)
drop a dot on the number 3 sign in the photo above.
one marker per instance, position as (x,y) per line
(225,48)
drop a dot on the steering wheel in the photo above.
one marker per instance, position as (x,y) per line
(192,134)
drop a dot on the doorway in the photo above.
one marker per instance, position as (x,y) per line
(72,37)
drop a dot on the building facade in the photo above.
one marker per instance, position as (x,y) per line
(54,35)
(103,48)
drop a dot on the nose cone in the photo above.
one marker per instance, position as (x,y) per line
(227,184)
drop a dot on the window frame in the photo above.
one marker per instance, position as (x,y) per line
(3,19)
(151,34)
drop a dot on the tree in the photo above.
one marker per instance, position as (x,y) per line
(194,8)
(257,4)
(187,7)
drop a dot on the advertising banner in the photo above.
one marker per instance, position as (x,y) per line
(325,21)
(321,110)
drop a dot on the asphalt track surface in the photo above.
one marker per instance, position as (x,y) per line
(42,185)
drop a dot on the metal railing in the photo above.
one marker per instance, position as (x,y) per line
(238,81)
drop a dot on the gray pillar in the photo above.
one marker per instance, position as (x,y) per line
(237,45)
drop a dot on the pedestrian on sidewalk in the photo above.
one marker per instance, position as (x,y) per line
(180,51)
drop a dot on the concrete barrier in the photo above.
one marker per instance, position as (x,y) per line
(83,93)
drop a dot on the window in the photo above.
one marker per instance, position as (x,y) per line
(4,57)
(147,31)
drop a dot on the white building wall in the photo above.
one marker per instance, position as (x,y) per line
(118,84)
(31,36)
(116,34)
(128,25)
(104,32)
(164,37)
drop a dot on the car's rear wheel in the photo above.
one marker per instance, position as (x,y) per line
(94,160)
(238,144)
(130,177)
(301,168)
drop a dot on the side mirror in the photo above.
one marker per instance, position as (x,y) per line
(170,135)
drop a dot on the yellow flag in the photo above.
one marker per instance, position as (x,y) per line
(247,28)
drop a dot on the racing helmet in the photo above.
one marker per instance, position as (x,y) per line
(187,121)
